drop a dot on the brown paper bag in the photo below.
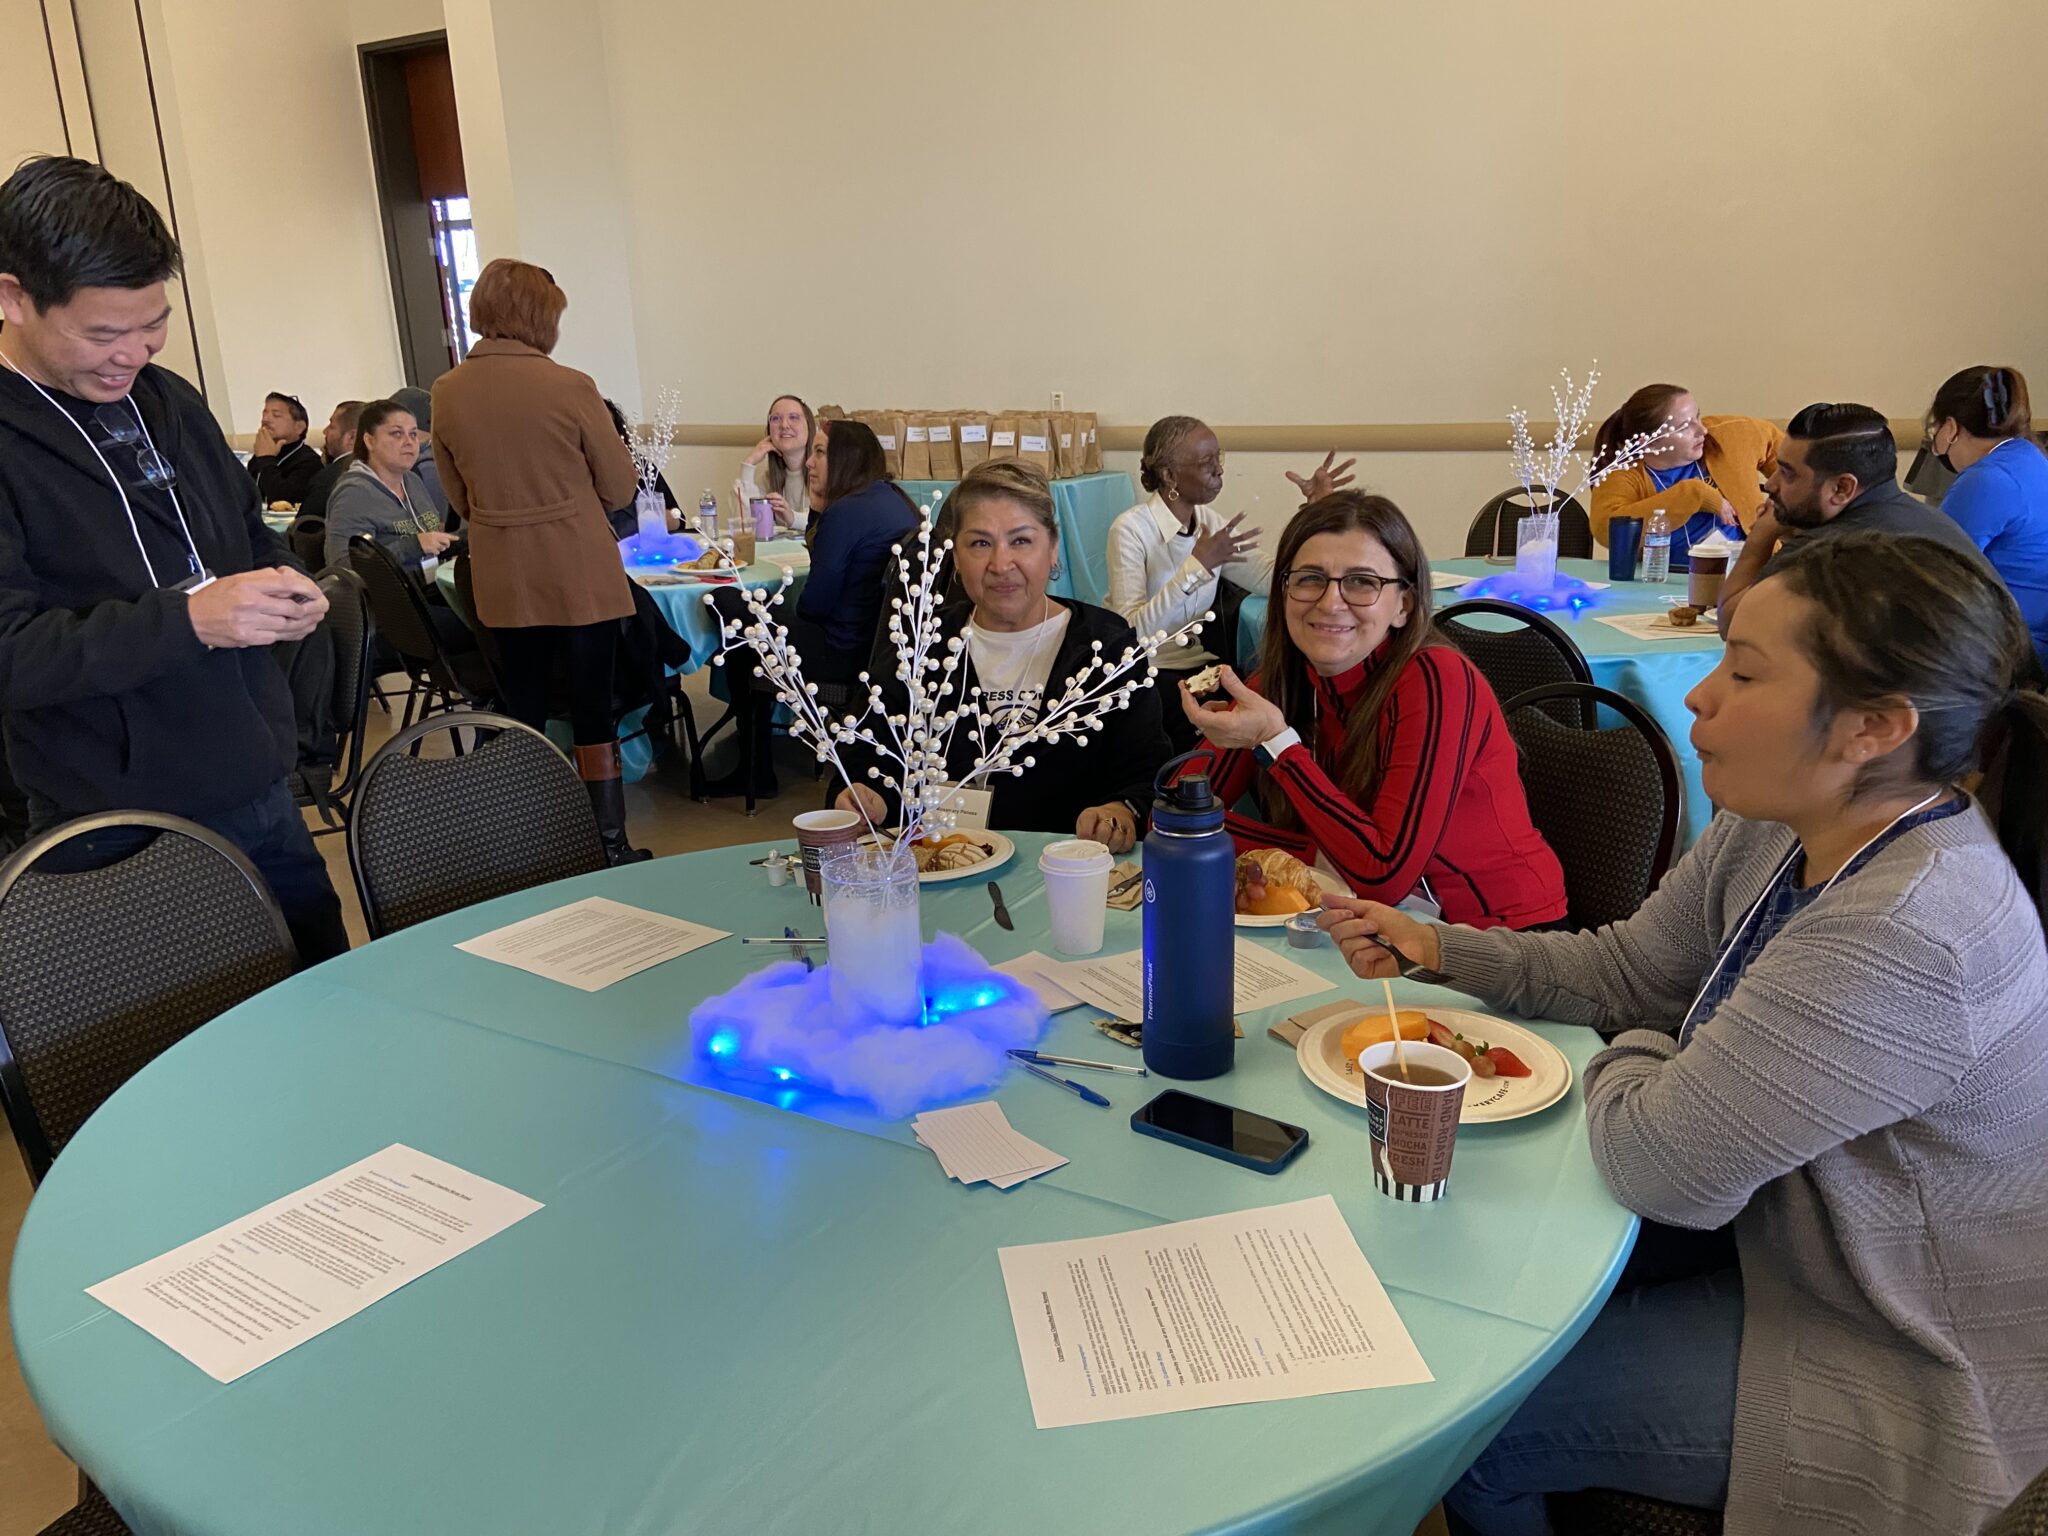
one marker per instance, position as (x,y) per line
(888,429)
(944,442)
(1002,436)
(1069,447)
(1035,443)
(971,429)
(917,448)
(833,413)
(1091,457)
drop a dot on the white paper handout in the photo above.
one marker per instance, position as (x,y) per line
(1440,581)
(1115,983)
(245,1293)
(1033,968)
(974,1142)
(592,943)
(1250,1307)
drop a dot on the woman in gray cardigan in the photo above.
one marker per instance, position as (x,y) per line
(1834,1018)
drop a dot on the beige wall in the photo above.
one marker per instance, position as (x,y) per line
(1304,212)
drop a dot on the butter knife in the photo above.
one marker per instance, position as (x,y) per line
(995,894)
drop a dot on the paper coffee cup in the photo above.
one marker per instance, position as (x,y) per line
(1413,1126)
(1076,893)
(816,830)
(1703,581)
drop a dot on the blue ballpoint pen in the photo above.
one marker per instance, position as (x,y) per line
(1068,1083)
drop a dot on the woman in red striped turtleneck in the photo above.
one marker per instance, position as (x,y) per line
(1376,749)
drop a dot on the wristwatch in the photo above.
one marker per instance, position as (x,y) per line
(1268,751)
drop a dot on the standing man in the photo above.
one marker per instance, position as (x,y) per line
(284,463)
(140,592)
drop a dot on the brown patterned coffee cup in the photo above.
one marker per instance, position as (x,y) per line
(1703,581)
(1413,1124)
(816,830)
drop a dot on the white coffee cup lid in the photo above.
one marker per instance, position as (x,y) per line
(1715,543)
(1078,856)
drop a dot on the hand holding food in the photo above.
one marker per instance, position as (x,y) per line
(1244,723)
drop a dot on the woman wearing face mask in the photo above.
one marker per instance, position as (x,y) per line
(1709,472)
(1835,1036)
(775,468)
(1170,555)
(1979,428)
(1022,648)
(1376,749)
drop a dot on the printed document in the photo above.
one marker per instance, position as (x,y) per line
(592,943)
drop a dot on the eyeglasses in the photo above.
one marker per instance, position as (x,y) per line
(124,431)
(1361,589)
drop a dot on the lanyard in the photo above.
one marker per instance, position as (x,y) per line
(1691,1022)
(191,549)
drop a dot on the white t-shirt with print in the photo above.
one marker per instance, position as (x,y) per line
(1011,668)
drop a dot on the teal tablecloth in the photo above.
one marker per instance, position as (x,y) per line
(733,1316)
(1085,505)
(1657,674)
(691,617)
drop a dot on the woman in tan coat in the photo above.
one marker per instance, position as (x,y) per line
(530,458)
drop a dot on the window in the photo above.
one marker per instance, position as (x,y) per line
(455,256)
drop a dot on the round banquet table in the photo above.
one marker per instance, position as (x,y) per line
(741,1310)
(1655,673)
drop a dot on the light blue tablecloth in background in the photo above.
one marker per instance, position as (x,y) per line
(732,1316)
(1085,506)
(1657,674)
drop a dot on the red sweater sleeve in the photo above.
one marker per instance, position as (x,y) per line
(1429,734)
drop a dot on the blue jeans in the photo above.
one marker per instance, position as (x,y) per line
(272,833)
(1644,1403)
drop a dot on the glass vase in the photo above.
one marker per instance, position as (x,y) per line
(1536,552)
(651,513)
(876,946)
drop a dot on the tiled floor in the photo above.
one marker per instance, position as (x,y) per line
(36,1482)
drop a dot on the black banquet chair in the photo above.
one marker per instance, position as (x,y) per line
(1605,1512)
(428,835)
(106,964)
(1492,533)
(1606,799)
(1533,652)
(440,680)
(355,646)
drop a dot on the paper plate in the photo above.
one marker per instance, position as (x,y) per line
(1487,1100)
(1005,850)
(1324,878)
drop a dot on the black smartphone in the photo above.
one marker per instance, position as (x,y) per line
(1254,1141)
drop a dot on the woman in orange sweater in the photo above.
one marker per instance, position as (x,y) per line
(1711,471)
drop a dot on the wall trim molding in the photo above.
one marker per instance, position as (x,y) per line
(1276,437)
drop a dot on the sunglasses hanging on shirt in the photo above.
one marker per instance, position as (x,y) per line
(125,431)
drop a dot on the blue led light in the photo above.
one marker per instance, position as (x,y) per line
(723,1043)
(1566,593)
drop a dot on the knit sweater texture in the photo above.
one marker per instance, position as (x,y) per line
(1869,1107)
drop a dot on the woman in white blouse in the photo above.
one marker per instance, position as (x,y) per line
(775,469)
(1168,556)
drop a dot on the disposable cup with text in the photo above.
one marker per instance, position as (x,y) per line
(816,830)
(1413,1119)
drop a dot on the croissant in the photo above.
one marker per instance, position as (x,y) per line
(1273,883)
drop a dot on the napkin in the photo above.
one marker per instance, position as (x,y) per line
(1129,900)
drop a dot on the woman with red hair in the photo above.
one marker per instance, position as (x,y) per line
(530,459)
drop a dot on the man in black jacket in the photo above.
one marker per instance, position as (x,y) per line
(284,463)
(140,591)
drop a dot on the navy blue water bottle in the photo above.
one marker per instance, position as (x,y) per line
(1190,938)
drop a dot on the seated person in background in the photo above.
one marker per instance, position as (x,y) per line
(1375,748)
(1838,468)
(1709,474)
(1978,427)
(421,405)
(775,469)
(1169,556)
(863,514)
(338,440)
(1835,1016)
(283,463)
(1024,646)
(381,496)
(625,520)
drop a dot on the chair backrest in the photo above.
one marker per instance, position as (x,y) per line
(1532,652)
(309,541)
(428,835)
(1606,799)
(401,610)
(355,638)
(120,934)
(1493,530)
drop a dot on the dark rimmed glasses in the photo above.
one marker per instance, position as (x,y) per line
(1361,589)
(124,431)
